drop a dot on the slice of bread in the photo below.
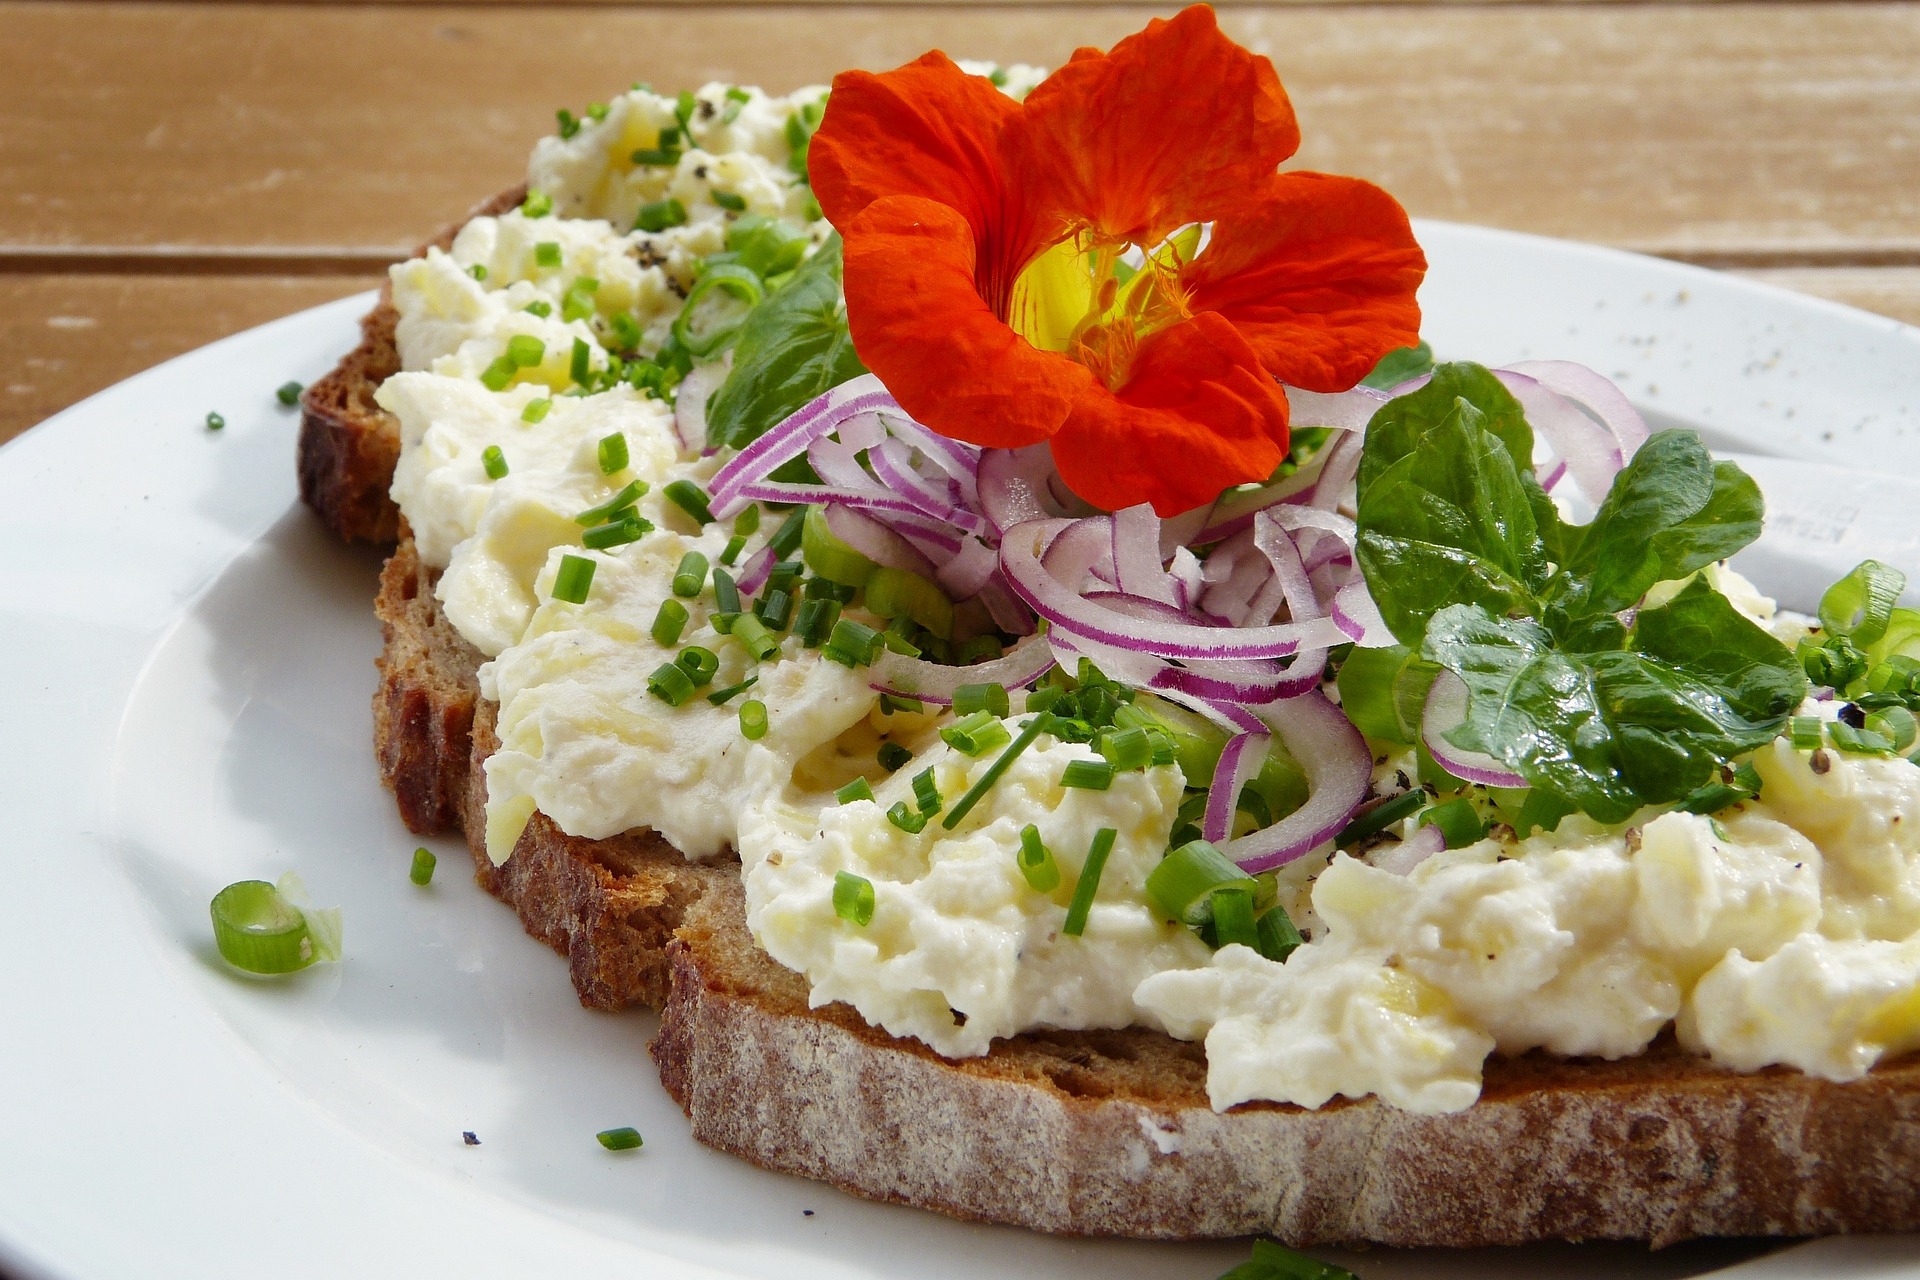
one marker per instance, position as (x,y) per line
(1105,1132)
(1110,1132)
(349,444)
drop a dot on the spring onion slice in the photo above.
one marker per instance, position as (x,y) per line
(421,873)
(1181,887)
(1036,861)
(853,898)
(1233,917)
(271,928)
(625,1138)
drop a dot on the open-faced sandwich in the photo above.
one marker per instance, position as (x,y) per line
(912,582)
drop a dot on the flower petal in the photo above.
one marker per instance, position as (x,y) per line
(926,129)
(1319,273)
(920,323)
(1173,126)
(1198,414)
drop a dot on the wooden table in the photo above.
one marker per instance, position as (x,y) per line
(173,172)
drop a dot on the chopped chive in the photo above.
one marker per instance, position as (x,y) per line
(494,461)
(1806,732)
(1089,882)
(787,537)
(726,594)
(775,609)
(784,574)
(669,622)
(683,108)
(1864,742)
(568,124)
(1036,861)
(613,453)
(747,522)
(660,215)
(1044,698)
(1233,918)
(215,422)
(853,898)
(499,373)
(1088,775)
(627,496)
(525,350)
(538,204)
(753,719)
(815,621)
(1033,729)
(289,393)
(728,200)
(656,156)
(926,792)
(851,644)
(596,111)
(755,638)
(720,697)
(858,789)
(616,533)
(573,580)
(477,271)
(577,303)
(539,308)
(892,755)
(626,1138)
(547,253)
(1127,749)
(897,636)
(1459,822)
(699,662)
(691,576)
(818,588)
(1712,798)
(1383,815)
(423,863)
(736,99)
(580,367)
(892,702)
(1274,934)
(1747,778)
(975,734)
(670,683)
(992,698)
(690,498)
(735,545)
(536,410)
(911,821)
(626,334)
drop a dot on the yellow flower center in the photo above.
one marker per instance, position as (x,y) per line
(1081,299)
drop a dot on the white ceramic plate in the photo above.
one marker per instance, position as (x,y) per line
(184,698)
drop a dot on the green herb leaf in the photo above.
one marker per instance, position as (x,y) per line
(792,347)
(1399,365)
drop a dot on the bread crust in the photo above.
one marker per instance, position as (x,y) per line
(1093,1132)
(348,444)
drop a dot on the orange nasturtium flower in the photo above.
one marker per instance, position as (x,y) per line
(986,286)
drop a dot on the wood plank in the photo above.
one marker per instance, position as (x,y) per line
(74,335)
(1887,291)
(1757,133)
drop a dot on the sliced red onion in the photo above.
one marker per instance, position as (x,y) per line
(1593,392)
(1186,572)
(1020,556)
(1013,485)
(1589,449)
(1343,411)
(790,438)
(690,402)
(956,458)
(1446,709)
(1400,859)
(1339,769)
(905,677)
(1008,611)
(965,575)
(755,572)
(1336,477)
(1358,617)
(877,542)
(1137,564)
(1240,760)
(893,467)
(1243,683)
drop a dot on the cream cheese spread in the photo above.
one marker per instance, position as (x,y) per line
(1785,930)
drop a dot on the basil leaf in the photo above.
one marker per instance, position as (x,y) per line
(1399,426)
(1610,730)
(1402,364)
(792,347)
(1671,511)
(1444,517)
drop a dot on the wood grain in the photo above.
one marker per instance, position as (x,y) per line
(79,334)
(1778,134)
(1887,291)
